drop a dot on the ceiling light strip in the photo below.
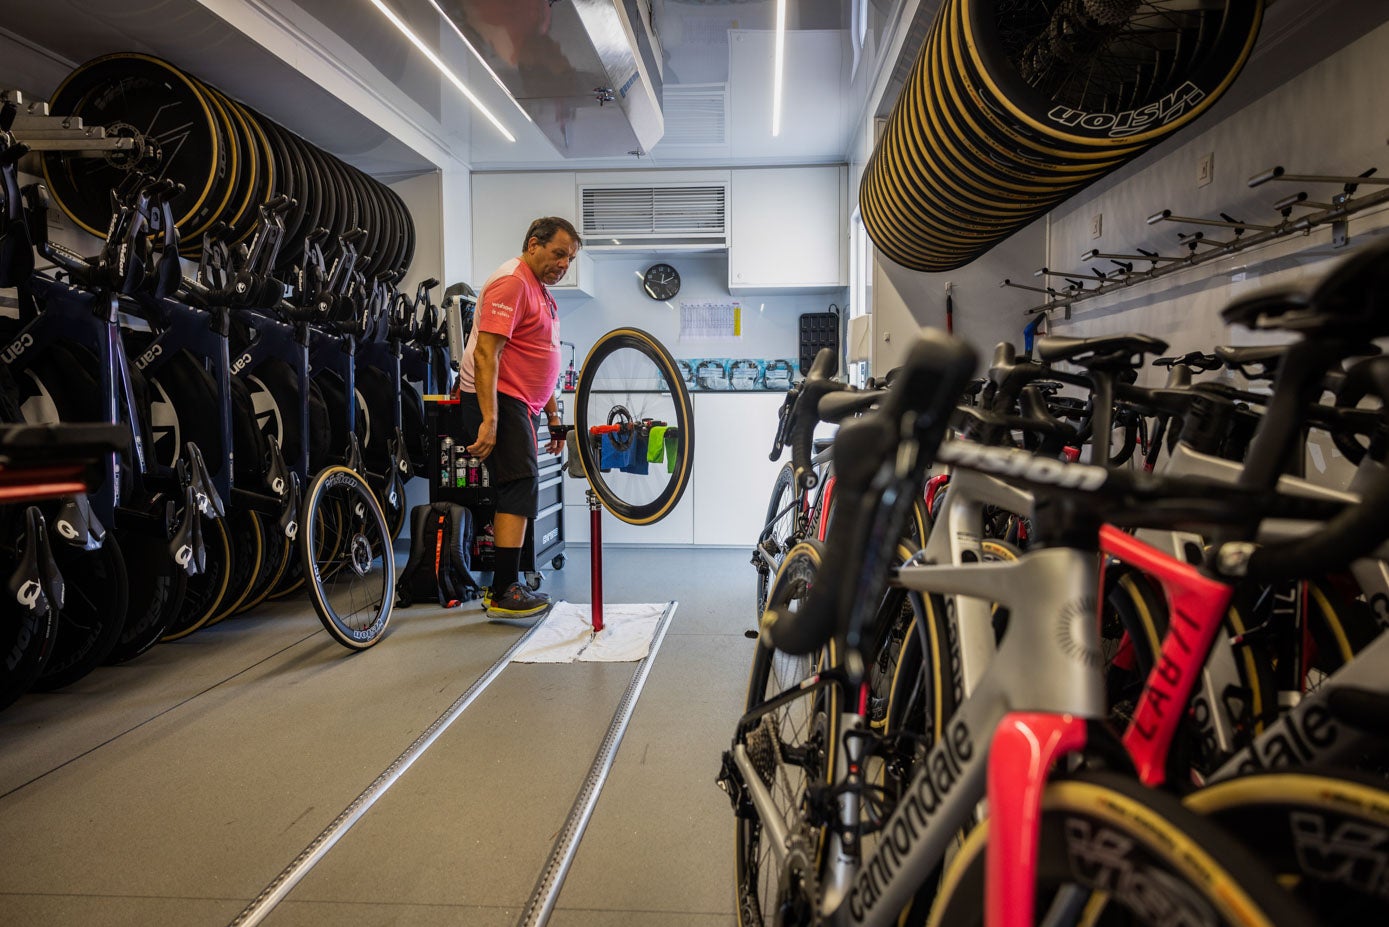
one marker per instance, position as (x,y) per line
(779,66)
(443,68)
(481,60)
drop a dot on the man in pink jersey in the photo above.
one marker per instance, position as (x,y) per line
(506,376)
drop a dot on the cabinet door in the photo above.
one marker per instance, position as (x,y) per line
(504,206)
(788,228)
(733,477)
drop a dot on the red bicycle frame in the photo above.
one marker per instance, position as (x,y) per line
(1026,745)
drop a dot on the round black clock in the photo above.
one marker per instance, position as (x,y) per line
(661,281)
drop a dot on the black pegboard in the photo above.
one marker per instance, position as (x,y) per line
(818,330)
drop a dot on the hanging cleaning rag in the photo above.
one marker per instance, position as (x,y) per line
(672,447)
(656,447)
(638,463)
(615,456)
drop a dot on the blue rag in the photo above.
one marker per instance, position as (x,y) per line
(614,457)
(638,464)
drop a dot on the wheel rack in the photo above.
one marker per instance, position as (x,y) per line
(41,131)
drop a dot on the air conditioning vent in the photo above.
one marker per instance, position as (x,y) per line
(673,215)
(696,115)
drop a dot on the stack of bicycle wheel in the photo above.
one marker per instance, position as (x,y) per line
(229,158)
(1012,107)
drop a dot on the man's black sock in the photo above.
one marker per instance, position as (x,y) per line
(508,560)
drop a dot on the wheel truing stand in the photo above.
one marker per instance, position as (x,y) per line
(595,555)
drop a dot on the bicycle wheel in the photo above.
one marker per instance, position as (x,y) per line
(792,747)
(279,551)
(347,557)
(629,379)
(1136,855)
(247,537)
(1322,833)
(778,535)
(26,636)
(95,605)
(1073,77)
(208,589)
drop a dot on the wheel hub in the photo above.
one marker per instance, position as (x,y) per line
(359,554)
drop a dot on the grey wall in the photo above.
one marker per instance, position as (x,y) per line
(1330,119)
(1309,99)
(769,323)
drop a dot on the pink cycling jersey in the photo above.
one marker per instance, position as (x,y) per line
(516,305)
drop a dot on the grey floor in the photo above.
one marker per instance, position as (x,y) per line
(172,789)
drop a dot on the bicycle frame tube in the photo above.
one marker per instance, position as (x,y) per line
(385,357)
(1220,673)
(1048,663)
(338,355)
(955,539)
(1311,733)
(287,343)
(1025,747)
(1197,605)
(90,319)
(191,329)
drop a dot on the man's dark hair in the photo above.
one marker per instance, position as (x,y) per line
(543,229)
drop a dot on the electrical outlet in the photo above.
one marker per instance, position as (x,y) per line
(1205,170)
(1096,224)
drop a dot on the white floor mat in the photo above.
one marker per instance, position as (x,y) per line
(566,635)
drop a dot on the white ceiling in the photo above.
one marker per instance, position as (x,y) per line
(317,65)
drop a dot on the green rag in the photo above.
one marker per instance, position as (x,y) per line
(672,447)
(656,450)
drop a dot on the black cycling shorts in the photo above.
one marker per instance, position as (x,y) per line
(512,465)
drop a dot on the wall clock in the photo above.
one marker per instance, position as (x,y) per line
(661,282)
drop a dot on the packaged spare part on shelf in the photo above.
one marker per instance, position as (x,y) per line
(230,159)
(1012,108)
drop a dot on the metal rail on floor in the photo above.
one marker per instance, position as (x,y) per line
(294,873)
(546,893)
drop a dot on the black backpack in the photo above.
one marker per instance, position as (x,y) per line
(441,536)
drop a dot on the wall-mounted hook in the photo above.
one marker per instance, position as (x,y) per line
(1225,222)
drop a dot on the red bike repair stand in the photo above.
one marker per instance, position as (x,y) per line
(595,555)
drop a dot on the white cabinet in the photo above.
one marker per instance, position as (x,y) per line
(504,205)
(726,501)
(732,475)
(788,230)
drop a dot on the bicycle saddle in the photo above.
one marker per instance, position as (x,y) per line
(78,525)
(185,547)
(36,583)
(1100,351)
(1257,362)
(1367,378)
(1195,360)
(1350,300)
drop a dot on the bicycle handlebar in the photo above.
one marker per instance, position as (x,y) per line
(882,454)
(805,416)
(1348,536)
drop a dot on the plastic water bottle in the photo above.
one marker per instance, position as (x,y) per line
(445,460)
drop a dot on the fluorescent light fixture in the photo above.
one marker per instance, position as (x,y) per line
(443,68)
(779,66)
(481,60)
